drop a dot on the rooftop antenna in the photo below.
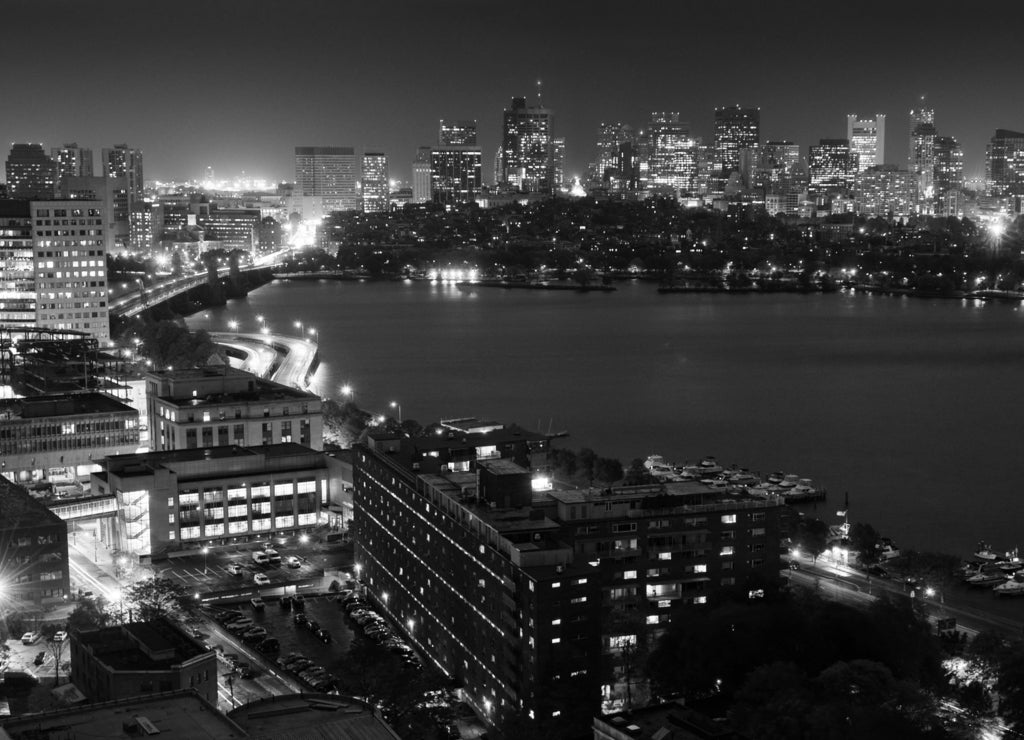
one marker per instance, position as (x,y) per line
(540,87)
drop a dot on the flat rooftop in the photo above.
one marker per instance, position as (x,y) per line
(41,407)
(141,646)
(174,714)
(145,462)
(673,721)
(18,510)
(309,716)
(197,387)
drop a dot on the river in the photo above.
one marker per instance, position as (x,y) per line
(911,406)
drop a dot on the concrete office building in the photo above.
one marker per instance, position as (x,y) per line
(736,128)
(421,176)
(72,161)
(34,543)
(181,500)
(1004,163)
(376,186)
(17,265)
(218,406)
(48,435)
(527,156)
(867,140)
(328,173)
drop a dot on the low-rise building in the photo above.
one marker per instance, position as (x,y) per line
(220,406)
(141,658)
(34,549)
(183,500)
(44,435)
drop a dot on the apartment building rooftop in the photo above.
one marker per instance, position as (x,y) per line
(41,407)
(218,385)
(141,646)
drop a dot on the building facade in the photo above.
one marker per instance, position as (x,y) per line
(183,500)
(72,161)
(673,154)
(422,175)
(234,228)
(31,174)
(34,542)
(867,140)
(219,406)
(1004,163)
(886,192)
(452,132)
(527,149)
(329,173)
(71,266)
(40,435)
(736,128)
(17,265)
(921,155)
(376,188)
(832,167)
(141,658)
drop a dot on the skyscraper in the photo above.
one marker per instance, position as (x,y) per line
(673,158)
(527,151)
(832,166)
(456,164)
(867,140)
(921,155)
(1004,163)
(375,182)
(610,137)
(72,161)
(329,173)
(30,173)
(453,132)
(123,162)
(558,162)
(735,128)
(421,174)
(949,168)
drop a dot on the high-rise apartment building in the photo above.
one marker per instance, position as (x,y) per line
(71,266)
(558,162)
(673,156)
(17,265)
(455,173)
(452,132)
(421,175)
(376,190)
(921,154)
(886,191)
(113,193)
(330,173)
(31,174)
(610,138)
(72,161)
(867,140)
(1004,163)
(832,167)
(735,128)
(527,160)
(124,164)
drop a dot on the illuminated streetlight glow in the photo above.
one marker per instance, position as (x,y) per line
(233,325)
(397,405)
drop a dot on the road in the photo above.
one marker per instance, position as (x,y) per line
(297,354)
(855,588)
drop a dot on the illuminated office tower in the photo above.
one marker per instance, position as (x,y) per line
(329,173)
(921,154)
(70,266)
(832,166)
(1004,163)
(949,166)
(735,128)
(123,162)
(886,191)
(376,191)
(867,140)
(72,161)
(30,173)
(558,162)
(527,160)
(421,174)
(17,266)
(673,157)
(454,132)
(610,138)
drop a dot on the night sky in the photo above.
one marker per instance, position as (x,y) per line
(237,85)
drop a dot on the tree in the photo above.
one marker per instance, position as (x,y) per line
(56,649)
(813,537)
(608,470)
(864,540)
(90,614)
(157,597)
(637,474)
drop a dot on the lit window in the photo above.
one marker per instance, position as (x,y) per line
(555,640)
(664,556)
(728,518)
(700,568)
(556,584)
(629,575)
(556,622)
(579,600)
(664,604)
(700,599)
(652,619)
(727,550)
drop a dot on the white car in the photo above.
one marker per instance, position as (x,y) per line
(60,636)
(234,569)
(30,638)
(293,562)
(261,579)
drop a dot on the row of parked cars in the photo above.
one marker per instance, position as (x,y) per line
(248,631)
(318,677)
(375,627)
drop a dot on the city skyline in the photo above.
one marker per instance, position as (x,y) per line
(231,94)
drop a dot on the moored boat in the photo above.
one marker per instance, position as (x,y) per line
(1011,587)
(984,552)
(986,579)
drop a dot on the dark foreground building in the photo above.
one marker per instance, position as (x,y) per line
(33,551)
(535,600)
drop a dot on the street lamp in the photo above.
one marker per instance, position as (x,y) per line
(233,325)
(298,325)
(206,552)
(397,405)
(313,332)
(348,391)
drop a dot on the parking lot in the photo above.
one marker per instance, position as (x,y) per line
(23,658)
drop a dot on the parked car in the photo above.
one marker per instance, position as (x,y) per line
(300,618)
(246,671)
(227,616)
(324,636)
(234,569)
(40,658)
(312,625)
(30,638)
(878,571)
(292,562)
(257,603)
(261,579)
(60,636)
(286,603)
(273,555)
(260,558)
(299,601)
(269,645)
